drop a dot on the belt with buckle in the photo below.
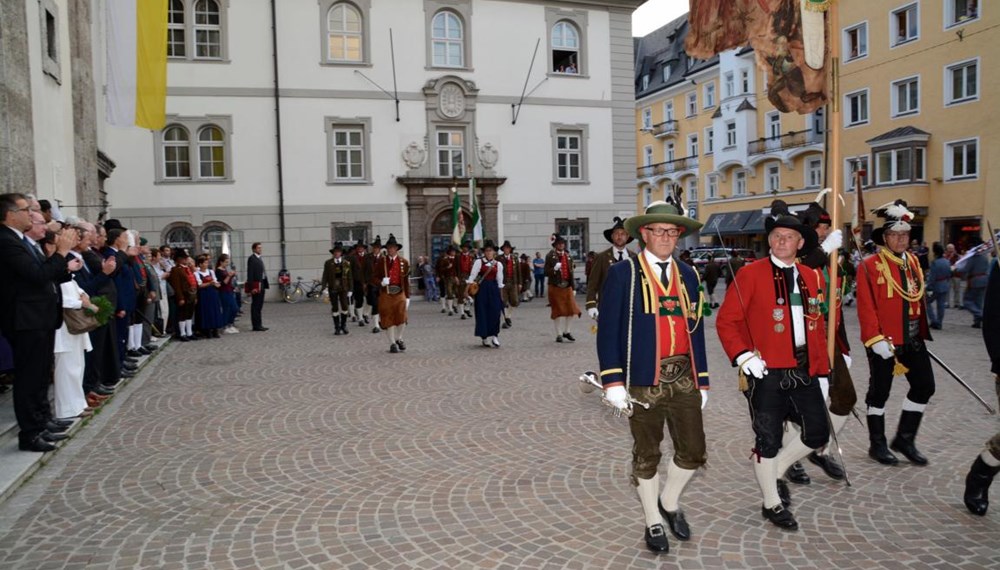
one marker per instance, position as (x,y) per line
(673,368)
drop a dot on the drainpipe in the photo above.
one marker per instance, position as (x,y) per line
(277,136)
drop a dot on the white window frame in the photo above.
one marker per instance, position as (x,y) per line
(773,177)
(692,189)
(647,196)
(708,95)
(949,84)
(861,29)
(173,27)
(895,177)
(730,135)
(647,118)
(669,151)
(333,125)
(847,108)
(692,103)
(194,127)
(645,81)
(191,29)
(363,8)
(729,83)
(668,111)
(179,144)
(849,163)
(772,125)
(577,20)
(575,232)
(712,187)
(208,29)
(894,39)
(912,85)
(740,183)
(709,140)
(813,172)
(561,133)
(451,20)
(949,14)
(949,163)
(450,170)
(693,144)
(647,155)
(746,85)
(666,72)
(349,148)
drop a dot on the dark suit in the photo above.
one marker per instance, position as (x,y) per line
(257,283)
(125,286)
(102,364)
(30,314)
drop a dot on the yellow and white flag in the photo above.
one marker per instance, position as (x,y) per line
(137,63)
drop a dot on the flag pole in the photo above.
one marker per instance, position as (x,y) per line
(837,171)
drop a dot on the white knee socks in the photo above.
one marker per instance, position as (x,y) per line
(677,479)
(649,492)
(767,478)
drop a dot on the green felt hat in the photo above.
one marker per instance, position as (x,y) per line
(662,212)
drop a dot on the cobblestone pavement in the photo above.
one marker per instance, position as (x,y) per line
(298,449)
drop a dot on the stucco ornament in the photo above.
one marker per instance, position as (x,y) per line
(451,101)
(488,156)
(414,156)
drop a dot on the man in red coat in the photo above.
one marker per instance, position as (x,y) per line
(771,326)
(893,315)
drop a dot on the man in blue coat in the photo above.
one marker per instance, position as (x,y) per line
(651,347)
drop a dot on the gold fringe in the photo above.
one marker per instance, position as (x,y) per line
(818,5)
(899,368)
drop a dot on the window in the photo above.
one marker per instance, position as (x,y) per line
(347,155)
(692,189)
(180,236)
(905,24)
(176,153)
(730,134)
(692,145)
(645,81)
(668,152)
(856,42)
(345,34)
(854,165)
(575,232)
(351,233)
(49,25)
(899,165)
(962,82)
(740,183)
(906,96)
(713,186)
(647,155)
(730,84)
(194,149)
(447,42)
(745,80)
(176,41)
(960,12)
(773,178)
(709,140)
(450,153)
(773,125)
(667,72)
(647,197)
(962,159)
(647,118)
(569,153)
(196,30)
(692,104)
(709,95)
(814,172)
(668,111)
(567,41)
(857,108)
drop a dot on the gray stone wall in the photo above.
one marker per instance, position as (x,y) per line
(17,147)
(85,116)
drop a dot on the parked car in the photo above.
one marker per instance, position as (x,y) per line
(702,256)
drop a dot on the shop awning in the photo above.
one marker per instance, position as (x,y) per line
(755,224)
(726,223)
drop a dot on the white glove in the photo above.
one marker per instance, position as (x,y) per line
(824,386)
(350,294)
(752,365)
(407,303)
(883,349)
(847,361)
(592,313)
(833,241)
(617,397)
(704,398)
(385,281)
(557,266)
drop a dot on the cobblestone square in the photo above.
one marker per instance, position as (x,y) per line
(294,448)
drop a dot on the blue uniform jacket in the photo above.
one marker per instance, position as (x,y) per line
(643,366)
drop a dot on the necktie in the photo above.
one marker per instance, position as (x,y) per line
(33,249)
(620,254)
(664,278)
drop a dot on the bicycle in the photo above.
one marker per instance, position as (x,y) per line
(295,292)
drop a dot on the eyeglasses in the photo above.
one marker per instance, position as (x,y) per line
(24,209)
(37,223)
(660,232)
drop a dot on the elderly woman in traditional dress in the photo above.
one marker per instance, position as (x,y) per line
(488,305)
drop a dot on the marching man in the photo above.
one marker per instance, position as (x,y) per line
(559,270)
(392,271)
(651,347)
(772,327)
(893,317)
(619,238)
(511,291)
(447,272)
(374,259)
(464,269)
(337,280)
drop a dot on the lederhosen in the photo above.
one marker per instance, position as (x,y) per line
(338,286)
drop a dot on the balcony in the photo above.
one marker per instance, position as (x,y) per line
(787,141)
(659,169)
(664,129)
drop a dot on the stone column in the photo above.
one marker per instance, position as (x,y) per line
(17,146)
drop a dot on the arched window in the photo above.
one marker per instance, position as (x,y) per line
(176,153)
(344,33)
(207,30)
(565,48)
(180,237)
(176,41)
(216,240)
(211,152)
(447,40)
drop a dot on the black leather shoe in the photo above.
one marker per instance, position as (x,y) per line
(260,329)
(151,348)
(52,427)
(62,423)
(508,322)
(52,437)
(977,486)
(127,374)
(130,360)
(656,539)
(784,494)
(780,517)
(144,351)
(905,446)
(181,338)
(401,345)
(829,466)
(36,444)
(559,339)
(393,348)
(568,337)
(797,474)
(133,353)
(676,521)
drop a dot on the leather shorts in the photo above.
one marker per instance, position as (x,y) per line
(674,368)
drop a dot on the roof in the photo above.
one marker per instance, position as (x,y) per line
(746,105)
(665,47)
(901,132)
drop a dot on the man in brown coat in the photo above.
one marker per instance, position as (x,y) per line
(619,238)
(511,292)
(447,271)
(392,272)
(559,270)
(338,281)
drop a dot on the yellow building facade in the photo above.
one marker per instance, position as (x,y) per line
(914,118)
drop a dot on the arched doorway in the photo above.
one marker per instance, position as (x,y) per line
(218,238)
(441,229)
(180,236)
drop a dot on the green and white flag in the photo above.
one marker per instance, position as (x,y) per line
(477,222)
(457,219)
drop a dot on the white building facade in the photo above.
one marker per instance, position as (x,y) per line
(353,163)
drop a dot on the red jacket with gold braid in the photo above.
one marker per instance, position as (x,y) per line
(882,302)
(761,313)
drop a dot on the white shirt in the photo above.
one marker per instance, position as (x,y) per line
(652,260)
(615,252)
(798,316)
(477,266)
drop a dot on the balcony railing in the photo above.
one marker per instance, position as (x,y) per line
(664,129)
(676,165)
(786,141)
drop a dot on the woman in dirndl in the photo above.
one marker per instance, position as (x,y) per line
(209,303)
(488,272)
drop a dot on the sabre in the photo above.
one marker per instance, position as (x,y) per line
(589,382)
(962,382)
(739,295)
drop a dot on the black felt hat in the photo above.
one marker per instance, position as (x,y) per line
(556,238)
(780,217)
(377,242)
(392,242)
(337,246)
(618,224)
(506,243)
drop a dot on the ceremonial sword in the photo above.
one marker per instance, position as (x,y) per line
(960,381)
